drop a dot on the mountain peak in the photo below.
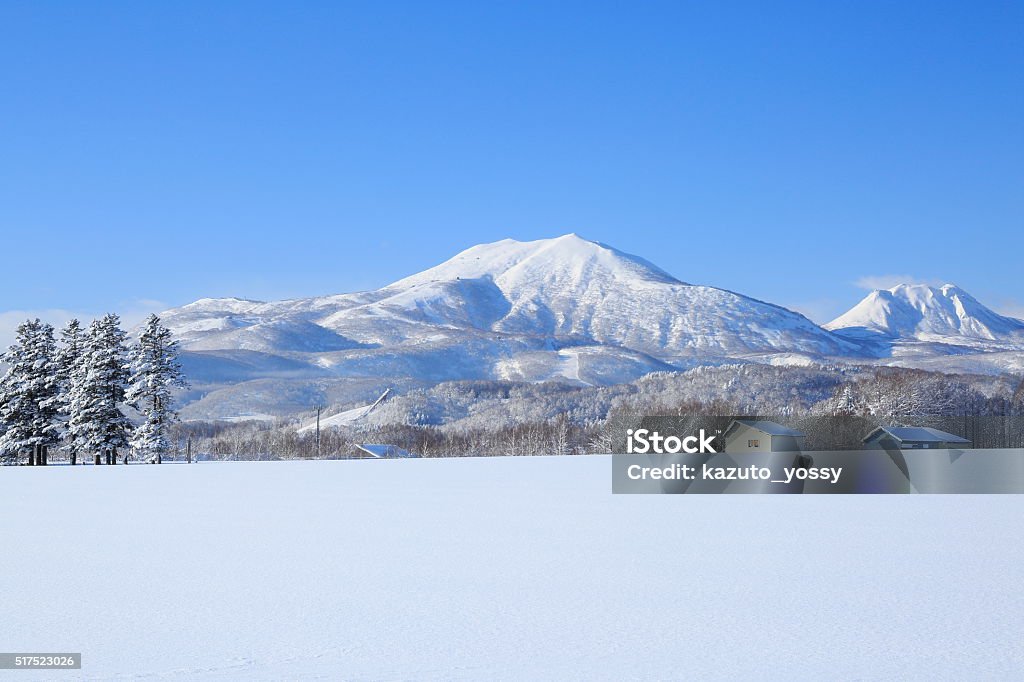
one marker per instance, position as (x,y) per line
(228,303)
(569,259)
(912,289)
(925,312)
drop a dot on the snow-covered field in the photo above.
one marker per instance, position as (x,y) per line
(504,568)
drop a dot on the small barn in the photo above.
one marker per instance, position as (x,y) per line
(381,451)
(752,435)
(913,437)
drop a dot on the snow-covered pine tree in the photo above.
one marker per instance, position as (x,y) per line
(98,385)
(28,394)
(69,356)
(155,372)
(15,410)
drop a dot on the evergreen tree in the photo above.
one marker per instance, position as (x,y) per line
(155,372)
(98,385)
(29,394)
(68,361)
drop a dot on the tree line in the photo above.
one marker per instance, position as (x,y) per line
(835,406)
(81,392)
(257,441)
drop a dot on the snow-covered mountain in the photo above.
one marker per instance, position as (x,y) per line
(563,309)
(945,314)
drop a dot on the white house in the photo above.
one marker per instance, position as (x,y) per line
(751,435)
(909,437)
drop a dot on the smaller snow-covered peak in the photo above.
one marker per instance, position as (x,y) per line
(209,316)
(227,304)
(925,312)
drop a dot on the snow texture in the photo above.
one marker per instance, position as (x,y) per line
(497,569)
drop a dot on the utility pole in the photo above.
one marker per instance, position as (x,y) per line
(319,409)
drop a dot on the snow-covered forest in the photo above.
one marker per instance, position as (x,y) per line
(510,418)
(90,393)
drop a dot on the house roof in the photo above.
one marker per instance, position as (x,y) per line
(917,434)
(766,427)
(381,450)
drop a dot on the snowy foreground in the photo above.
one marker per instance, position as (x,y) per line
(504,568)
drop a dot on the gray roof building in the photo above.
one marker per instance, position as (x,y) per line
(381,451)
(915,437)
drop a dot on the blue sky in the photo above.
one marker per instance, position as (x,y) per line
(154,153)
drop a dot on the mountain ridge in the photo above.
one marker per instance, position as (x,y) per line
(567,288)
(563,309)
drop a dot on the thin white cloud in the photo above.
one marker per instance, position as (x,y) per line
(872,282)
(10,319)
(132,313)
